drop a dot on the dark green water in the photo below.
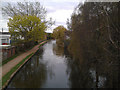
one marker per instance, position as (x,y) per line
(53,67)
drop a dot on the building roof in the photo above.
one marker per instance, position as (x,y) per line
(4,33)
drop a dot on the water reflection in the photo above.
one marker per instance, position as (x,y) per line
(53,67)
(88,73)
(44,70)
(92,74)
(58,49)
(32,75)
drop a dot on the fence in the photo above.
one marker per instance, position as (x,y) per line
(8,52)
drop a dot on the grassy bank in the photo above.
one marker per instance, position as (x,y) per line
(6,77)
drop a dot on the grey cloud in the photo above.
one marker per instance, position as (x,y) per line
(60,23)
(60,6)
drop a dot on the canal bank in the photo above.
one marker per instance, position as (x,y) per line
(53,67)
(12,67)
(46,69)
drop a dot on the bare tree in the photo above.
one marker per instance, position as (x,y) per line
(24,8)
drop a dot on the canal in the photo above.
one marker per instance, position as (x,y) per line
(53,67)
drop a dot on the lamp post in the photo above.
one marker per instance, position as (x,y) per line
(2,30)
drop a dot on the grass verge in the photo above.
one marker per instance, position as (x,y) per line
(8,75)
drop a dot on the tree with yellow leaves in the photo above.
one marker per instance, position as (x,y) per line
(59,32)
(26,28)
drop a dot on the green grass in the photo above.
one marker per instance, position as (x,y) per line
(7,76)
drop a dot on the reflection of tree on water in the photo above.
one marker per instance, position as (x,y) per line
(33,74)
(58,48)
(79,77)
(92,73)
(91,70)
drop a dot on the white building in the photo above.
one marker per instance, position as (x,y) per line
(4,38)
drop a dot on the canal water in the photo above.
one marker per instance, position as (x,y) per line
(53,67)
(46,69)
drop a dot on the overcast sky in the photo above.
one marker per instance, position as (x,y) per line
(59,10)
